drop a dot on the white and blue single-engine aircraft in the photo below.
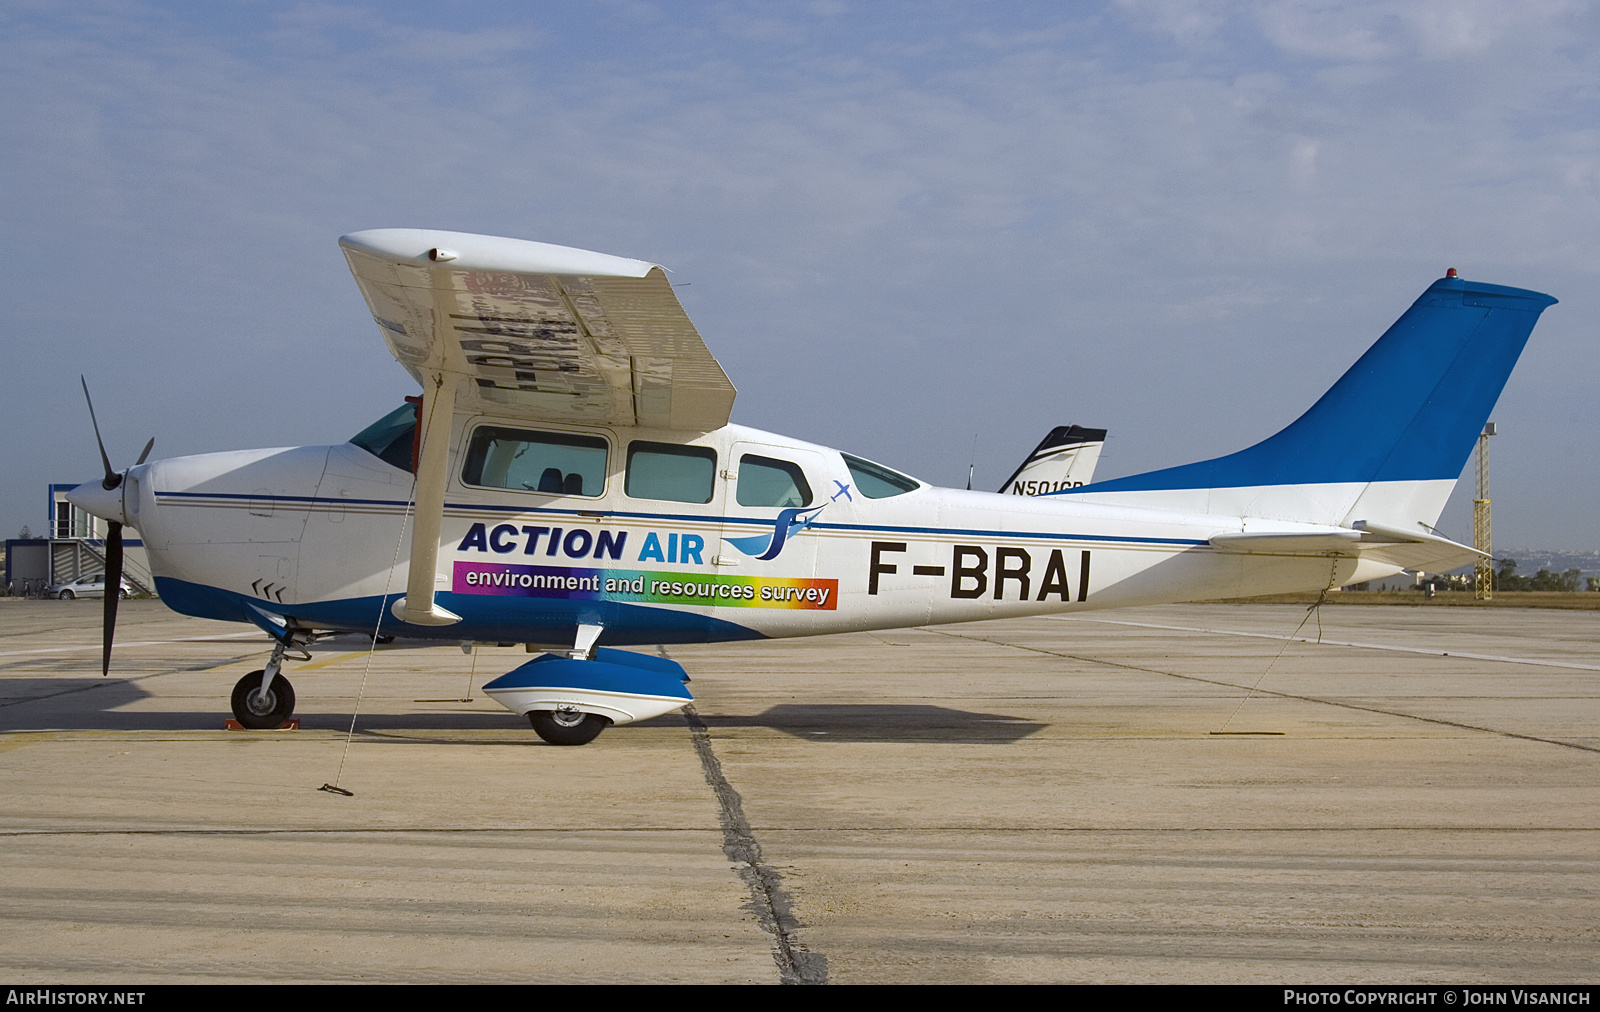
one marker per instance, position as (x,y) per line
(569,480)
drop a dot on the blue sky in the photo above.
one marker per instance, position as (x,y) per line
(898,226)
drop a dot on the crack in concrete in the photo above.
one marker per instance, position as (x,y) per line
(768,900)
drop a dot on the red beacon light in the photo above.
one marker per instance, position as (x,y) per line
(1451,273)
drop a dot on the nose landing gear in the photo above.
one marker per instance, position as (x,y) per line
(264,699)
(258,710)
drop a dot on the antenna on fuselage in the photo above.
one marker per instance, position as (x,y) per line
(972,466)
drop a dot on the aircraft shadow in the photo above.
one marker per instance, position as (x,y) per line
(95,704)
(79,704)
(884,722)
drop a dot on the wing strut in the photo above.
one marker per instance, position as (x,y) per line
(433,472)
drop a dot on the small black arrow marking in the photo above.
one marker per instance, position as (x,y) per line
(279,595)
(256,587)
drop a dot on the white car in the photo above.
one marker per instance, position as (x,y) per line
(93,585)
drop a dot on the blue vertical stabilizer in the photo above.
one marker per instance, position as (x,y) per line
(1408,410)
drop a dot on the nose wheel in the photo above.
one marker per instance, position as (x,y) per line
(260,710)
(566,726)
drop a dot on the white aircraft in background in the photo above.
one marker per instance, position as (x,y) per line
(1064,459)
(569,479)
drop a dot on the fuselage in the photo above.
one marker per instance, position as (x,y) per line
(663,537)
(569,478)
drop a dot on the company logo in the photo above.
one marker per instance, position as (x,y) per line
(788,523)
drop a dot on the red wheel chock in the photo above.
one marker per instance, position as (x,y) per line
(292,724)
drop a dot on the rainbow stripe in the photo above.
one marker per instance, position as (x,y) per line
(716,590)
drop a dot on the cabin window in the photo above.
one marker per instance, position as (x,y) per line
(764,481)
(554,463)
(391,437)
(671,472)
(876,481)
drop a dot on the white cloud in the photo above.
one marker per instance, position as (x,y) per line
(1335,31)
(1189,22)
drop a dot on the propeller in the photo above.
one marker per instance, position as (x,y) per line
(112,480)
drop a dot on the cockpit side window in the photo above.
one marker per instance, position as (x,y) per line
(554,463)
(764,481)
(670,471)
(876,481)
(391,437)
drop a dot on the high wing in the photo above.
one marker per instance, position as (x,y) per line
(544,332)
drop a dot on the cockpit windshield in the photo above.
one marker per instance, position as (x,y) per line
(876,481)
(392,437)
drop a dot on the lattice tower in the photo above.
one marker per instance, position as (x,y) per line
(1483,572)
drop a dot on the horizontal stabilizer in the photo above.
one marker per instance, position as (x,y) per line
(1413,549)
(1371,541)
(1331,543)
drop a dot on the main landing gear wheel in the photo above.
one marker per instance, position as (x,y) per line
(263,712)
(567,726)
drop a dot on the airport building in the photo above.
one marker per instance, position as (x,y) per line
(74,547)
